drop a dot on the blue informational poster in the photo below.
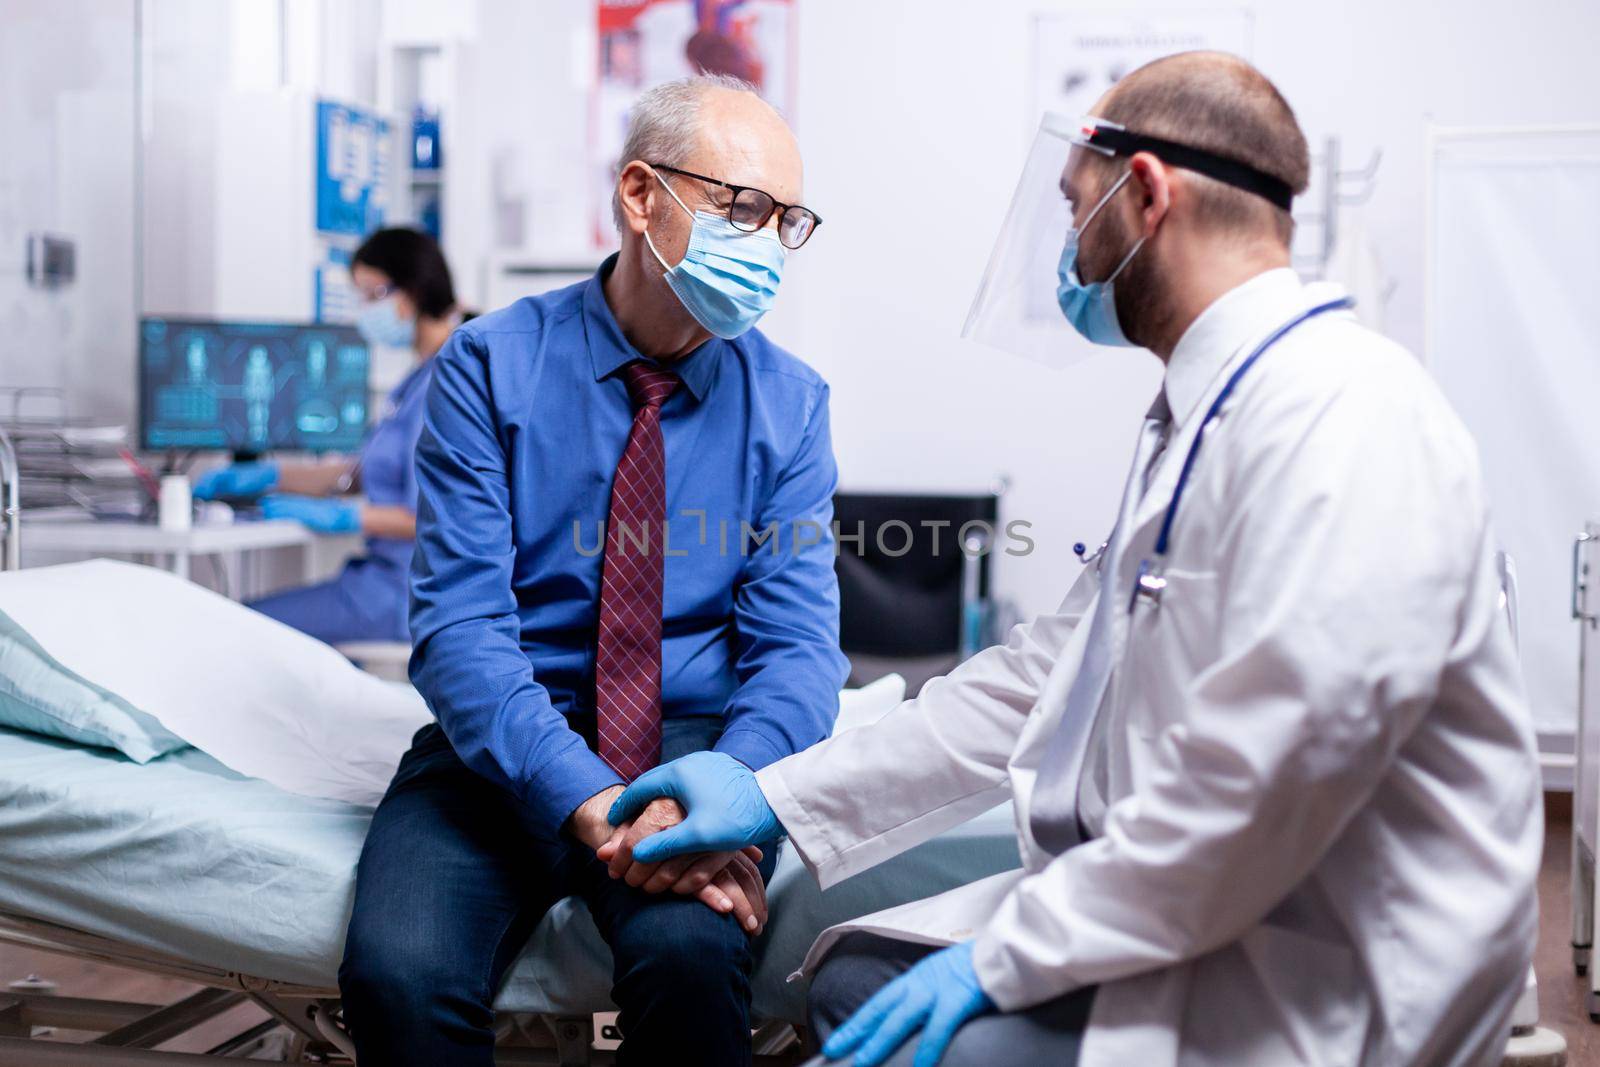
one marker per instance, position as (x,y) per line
(352,169)
(334,297)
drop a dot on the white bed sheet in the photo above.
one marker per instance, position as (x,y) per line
(185,857)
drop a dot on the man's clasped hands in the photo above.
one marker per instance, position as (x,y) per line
(726,882)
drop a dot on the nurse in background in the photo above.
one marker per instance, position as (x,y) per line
(408,301)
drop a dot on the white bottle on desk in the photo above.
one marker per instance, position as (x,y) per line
(175,508)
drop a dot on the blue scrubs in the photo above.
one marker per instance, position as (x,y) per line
(367,601)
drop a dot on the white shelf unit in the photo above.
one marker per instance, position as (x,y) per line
(438,74)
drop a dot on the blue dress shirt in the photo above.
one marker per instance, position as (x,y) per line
(526,419)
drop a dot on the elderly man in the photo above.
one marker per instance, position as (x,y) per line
(622,556)
(1276,789)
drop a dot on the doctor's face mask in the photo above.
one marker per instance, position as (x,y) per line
(1091,307)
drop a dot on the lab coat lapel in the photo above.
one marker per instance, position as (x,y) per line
(1055,822)
(1152,507)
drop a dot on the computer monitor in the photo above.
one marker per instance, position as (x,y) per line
(251,387)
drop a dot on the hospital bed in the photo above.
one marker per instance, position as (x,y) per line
(181,867)
(231,863)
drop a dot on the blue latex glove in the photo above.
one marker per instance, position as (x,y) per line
(725,807)
(936,996)
(323,514)
(238,480)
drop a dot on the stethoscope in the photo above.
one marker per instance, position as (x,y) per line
(1152,582)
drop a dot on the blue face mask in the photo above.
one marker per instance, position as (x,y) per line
(1092,307)
(380,325)
(728,278)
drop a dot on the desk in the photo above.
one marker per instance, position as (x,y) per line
(44,533)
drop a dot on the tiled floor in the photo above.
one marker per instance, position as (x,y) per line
(80,979)
(1561,992)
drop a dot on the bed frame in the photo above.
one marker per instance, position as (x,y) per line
(304,1023)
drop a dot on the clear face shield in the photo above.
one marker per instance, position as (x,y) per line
(1024,304)
(1016,308)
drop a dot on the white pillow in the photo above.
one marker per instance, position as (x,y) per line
(37,694)
(258,696)
(864,706)
(262,698)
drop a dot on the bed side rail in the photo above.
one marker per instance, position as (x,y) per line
(10,505)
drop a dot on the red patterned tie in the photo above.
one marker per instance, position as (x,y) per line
(627,667)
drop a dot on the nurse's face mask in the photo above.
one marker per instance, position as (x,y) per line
(380,324)
(728,278)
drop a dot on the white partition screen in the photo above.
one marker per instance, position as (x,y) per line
(1513,335)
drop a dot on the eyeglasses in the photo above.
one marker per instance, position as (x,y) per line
(751,208)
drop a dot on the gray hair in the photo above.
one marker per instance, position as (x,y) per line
(664,124)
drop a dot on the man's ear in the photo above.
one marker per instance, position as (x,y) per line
(1153,180)
(636,192)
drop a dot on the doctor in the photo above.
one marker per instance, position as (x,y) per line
(408,301)
(1275,783)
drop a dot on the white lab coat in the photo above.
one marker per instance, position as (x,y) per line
(1324,823)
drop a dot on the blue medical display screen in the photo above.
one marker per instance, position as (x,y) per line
(251,387)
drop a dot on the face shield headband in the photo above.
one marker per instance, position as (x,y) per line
(1110,139)
(1017,306)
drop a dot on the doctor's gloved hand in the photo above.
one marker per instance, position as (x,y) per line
(728,883)
(322,514)
(936,996)
(236,481)
(725,807)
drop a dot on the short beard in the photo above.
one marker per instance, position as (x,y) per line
(1139,293)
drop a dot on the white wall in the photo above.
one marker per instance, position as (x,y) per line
(66,167)
(526,110)
(907,105)
(1515,341)
(209,65)
(909,111)
(186,69)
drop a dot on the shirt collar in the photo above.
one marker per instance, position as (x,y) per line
(610,351)
(1212,340)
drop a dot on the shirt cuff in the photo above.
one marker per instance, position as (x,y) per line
(563,786)
(750,747)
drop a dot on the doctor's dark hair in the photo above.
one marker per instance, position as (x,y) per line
(1220,103)
(414,265)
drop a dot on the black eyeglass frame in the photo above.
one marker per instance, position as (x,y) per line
(778,207)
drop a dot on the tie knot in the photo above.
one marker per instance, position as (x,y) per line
(649,387)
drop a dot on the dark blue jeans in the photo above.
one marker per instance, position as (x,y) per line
(453,879)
